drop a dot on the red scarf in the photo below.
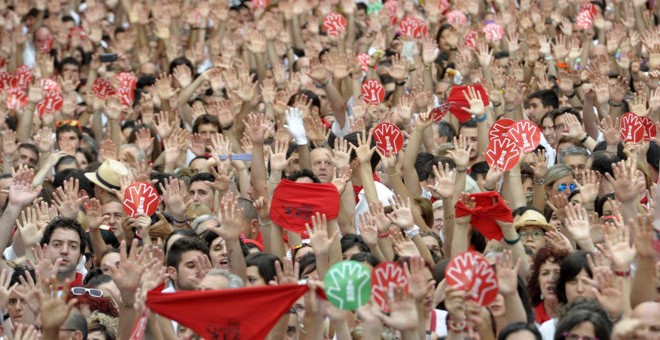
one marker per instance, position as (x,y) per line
(294,204)
(242,313)
(486,213)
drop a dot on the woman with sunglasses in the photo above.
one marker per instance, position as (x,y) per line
(90,300)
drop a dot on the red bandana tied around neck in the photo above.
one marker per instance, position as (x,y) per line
(294,204)
(242,313)
(490,207)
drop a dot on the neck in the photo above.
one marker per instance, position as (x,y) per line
(550,306)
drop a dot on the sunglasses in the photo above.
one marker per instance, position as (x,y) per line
(75,123)
(563,187)
(93,292)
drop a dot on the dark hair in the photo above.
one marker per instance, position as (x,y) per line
(204,120)
(63,223)
(20,272)
(30,147)
(307,263)
(349,241)
(76,321)
(565,110)
(202,177)
(470,123)
(183,245)
(352,138)
(181,61)
(600,203)
(446,130)
(601,161)
(84,184)
(316,102)
(95,278)
(479,168)
(186,233)
(570,267)
(64,160)
(516,327)
(576,317)
(424,165)
(543,255)
(366,258)
(265,264)
(653,155)
(547,98)
(303,173)
(144,81)
(69,61)
(67,128)
(425,210)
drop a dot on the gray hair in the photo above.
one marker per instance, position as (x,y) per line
(573,150)
(76,321)
(196,223)
(234,280)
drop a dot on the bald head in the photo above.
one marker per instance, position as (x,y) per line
(649,314)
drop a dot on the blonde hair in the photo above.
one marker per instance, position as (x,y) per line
(557,172)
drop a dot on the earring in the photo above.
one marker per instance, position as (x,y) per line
(541,296)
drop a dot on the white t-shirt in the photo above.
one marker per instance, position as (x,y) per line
(547,329)
(362,206)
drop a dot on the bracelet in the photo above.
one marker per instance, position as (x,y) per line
(185,219)
(584,139)
(538,181)
(411,233)
(461,170)
(488,189)
(385,234)
(512,242)
(613,104)
(456,326)
(622,274)
(481,118)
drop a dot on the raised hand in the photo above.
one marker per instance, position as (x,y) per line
(9,145)
(175,197)
(128,273)
(381,220)
(30,230)
(318,234)
(287,272)
(21,193)
(401,214)
(230,217)
(402,246)
(617,247)
(67,199)
(444,182)
(256,128)
(5,289)
(368,230)
(608,290)
(295,125)
(364,151)
(164,87)
(461,152)
(577,222)
(403,315)
(341,154)
(53,306)
(278,160)
(418,284)
(589,187)
(627,187)
(507,273)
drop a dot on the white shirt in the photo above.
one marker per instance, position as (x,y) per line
(362,206)
(547,329)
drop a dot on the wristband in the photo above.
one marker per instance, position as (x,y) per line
(385,234)
(414,231)
(584,139)
(538,181)
(456,326)
(481,119)
(461,170)
(613,104)
(622,274)
(512,242)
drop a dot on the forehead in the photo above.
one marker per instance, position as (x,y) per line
(575,158)
(112,207)
(214,282)
(110,257)
(535,101)
(468,131)
(190,255)
(67,134)
(207,127)
(199,185)
(320,154)
(65,234)
(550,264)
(530,228)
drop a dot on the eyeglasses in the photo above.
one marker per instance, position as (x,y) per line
(535,234)
(93,292)
(563,187)
(571,336)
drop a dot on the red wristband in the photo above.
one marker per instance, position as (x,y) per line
(622,274)
(386,234)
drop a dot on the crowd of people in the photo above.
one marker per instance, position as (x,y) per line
(167,162)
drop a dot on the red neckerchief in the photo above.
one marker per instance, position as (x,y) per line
(358,188)
(541,315)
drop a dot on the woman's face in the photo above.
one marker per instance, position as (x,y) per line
(350,252)
(82,160)
(497,307)
(548,128)
(641,178)
(565,181)
(548,274)
(448,39)
(578,287)
(254,279)
(302,252)
(218,253)
(584,330)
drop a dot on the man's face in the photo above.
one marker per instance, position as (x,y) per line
(68,138)
(27,157)
(207,132)
(115,212)
(560,125)
(293,165)
(72,71)
(43,40)
(578,163)
(218,253)
(536,110)
(65,245)
(187,270)
(202,193)
(471,135)
(322,165)
(649,314)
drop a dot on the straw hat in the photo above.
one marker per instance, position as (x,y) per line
(533,218)
(107,175)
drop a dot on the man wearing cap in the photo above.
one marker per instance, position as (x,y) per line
(106,179)
(532,227)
